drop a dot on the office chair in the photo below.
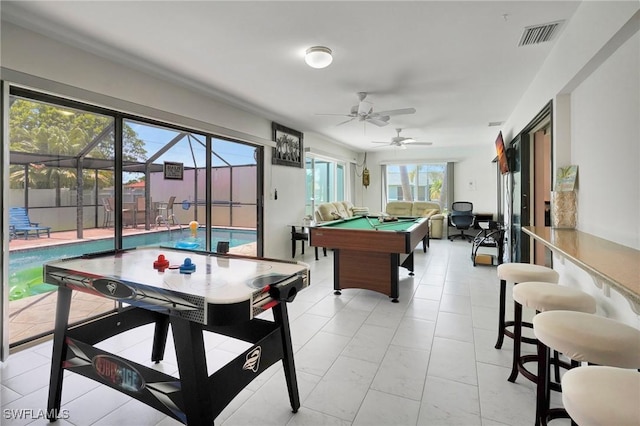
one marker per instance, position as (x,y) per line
(461,216)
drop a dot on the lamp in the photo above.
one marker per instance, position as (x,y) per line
(318,57)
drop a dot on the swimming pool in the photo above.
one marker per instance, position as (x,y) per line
(25,266)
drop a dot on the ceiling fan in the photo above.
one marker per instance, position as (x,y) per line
(402,142)
(364,112)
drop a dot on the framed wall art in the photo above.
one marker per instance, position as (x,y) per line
(172,170)
(288,150)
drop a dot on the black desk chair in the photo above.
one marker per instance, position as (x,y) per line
(461,216)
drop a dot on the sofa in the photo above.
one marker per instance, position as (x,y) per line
(338,210)
(427,209)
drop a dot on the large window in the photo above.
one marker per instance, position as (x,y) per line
(325,182)
(417,182)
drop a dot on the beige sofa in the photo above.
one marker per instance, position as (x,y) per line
(337,210)
(428,209)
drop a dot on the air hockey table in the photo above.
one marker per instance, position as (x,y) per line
(223,294)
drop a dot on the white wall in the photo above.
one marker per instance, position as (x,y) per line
(592,77)
(605,144)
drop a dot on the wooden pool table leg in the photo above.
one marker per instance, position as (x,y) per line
(395,271)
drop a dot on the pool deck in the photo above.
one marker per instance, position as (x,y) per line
(66,237)
(35,315)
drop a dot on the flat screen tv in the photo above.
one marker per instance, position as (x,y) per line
(503,162)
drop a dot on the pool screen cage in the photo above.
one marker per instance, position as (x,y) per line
(89,173)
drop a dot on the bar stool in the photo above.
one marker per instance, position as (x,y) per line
(543,297)
(518,273)
(581,337)
(602,396)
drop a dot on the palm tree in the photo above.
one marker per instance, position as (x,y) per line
(407,194)
(435,189)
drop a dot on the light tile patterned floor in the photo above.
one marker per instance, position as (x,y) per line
(360,359)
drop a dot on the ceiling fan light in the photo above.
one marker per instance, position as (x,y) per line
(318,57)
(408,140)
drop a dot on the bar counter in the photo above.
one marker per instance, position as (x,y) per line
(609,263)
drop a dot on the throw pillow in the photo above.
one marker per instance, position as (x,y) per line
(430,212)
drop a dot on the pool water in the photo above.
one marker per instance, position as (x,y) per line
(25,266)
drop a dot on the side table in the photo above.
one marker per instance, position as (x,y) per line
(301,233)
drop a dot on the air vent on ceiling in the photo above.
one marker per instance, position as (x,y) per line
(539,33)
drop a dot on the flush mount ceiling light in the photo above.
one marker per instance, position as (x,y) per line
(318,57)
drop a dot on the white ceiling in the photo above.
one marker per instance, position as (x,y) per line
(457,63)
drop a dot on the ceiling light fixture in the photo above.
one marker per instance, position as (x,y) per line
(318,57)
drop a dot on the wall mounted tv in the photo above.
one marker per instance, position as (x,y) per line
(503,161)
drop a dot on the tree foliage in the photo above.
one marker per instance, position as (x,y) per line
(49,130)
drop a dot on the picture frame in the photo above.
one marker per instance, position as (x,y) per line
(566,178)
(289,149)
(173,171)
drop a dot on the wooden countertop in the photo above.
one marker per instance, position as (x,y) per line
(611,263)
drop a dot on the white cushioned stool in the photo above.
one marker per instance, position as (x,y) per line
(518,273)
(581,337)
(602,396)
(542,297)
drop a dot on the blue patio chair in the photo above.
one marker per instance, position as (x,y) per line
(19,223)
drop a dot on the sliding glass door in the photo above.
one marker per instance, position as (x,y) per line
(61,160)
(325,182)
(93,179)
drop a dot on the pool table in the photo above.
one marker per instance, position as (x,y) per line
(368,253)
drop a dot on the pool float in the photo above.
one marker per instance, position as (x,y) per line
(193,242)
(27,282)
(187,244)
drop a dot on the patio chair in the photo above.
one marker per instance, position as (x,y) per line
(165,212)
(111,206)
(107,212)
(20,223)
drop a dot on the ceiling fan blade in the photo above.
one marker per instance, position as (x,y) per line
(387,143)
(397,112)
(339,115)
(378,121)
(419,143)
(345,122)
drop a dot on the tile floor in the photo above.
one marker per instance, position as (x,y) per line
(360,359)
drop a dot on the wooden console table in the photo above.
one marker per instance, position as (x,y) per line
(610,264)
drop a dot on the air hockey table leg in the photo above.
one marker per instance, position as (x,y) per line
(59,353)
(160,339)
(281,317)
(192,365)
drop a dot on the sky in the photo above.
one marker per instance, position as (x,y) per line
(191,148)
